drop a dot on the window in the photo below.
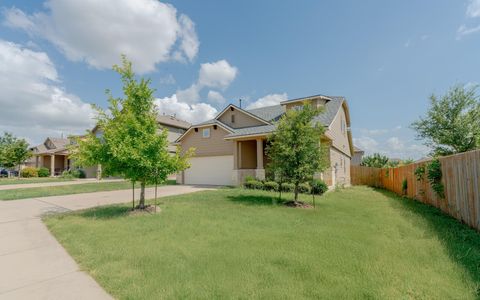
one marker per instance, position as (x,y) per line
(233,118)
(206,132)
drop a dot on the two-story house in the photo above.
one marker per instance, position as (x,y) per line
(232,145)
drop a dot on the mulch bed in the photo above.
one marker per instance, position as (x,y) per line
(297,204)
(148,209)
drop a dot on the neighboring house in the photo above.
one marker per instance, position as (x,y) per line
(357,156)
(232,145)
(54,155)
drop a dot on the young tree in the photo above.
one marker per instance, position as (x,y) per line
(452,124)
(294,150)
(13,151)
(131,144)
(375,161)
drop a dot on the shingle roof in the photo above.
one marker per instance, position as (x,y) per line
(252,130)
(268,113)
(331,109)
(172,121)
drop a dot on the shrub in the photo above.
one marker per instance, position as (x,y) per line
(287,187)
(43,172)
(29,172)
(67,174)
(420,172)
(78,173)
(404,186)
(319,187)
(270,186)
(254,185)
(250,178)
(434,175)
(304,188)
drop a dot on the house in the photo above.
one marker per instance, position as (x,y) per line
(357,156)
(53,153)
(232,145)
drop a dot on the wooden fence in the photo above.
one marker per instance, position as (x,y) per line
(461,180)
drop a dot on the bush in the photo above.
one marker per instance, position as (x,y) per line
(270,186)
(78,173)
(287,187)
(29,172)
(43,172)
(434,175)
(249,178)
(319,187)
(404,186)
(254,185)
(304,188)
(67,175)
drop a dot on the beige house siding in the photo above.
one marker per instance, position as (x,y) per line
(339,134)
(241,119)
(315,102)
(339,171)
(212,146)
(357,158)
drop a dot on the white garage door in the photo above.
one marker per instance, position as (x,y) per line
(215,170)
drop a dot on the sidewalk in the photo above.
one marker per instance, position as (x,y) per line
(33,265)
(56,183)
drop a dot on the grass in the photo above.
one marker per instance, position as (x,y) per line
(233,243)
(23,193)
(5,181)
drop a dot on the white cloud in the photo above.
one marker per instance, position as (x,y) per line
(219,74)
(167,80)
(473,9)
(268,100)
(463,30)
(193,113)
(215,97)
(33,102)
(97,32)
(393,147)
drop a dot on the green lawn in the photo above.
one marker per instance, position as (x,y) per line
(5,181)
(24,193)
(233,243)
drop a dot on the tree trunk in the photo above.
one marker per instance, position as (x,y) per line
(141,205)
(296,192)
(133,195)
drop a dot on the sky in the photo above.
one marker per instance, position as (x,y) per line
(385,57)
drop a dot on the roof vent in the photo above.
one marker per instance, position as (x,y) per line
(196,129)
(215,127)
(232,108)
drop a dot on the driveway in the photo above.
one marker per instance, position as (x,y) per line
(33,265)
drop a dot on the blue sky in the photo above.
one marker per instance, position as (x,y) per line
(385,57)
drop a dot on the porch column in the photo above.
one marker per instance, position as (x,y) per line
(52,165)
(260,171)
(65,163)
(37,161)
(235,155)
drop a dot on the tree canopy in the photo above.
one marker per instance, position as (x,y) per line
(13,151)
(130,144)
(452,123)
(294,148)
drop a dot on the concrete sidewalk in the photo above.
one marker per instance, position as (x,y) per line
(33,265)
(55,183)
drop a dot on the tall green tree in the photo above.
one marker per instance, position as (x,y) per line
(376,160)
(13,151)
(131,145)
(452,123)
(294,149)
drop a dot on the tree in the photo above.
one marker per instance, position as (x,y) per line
(294,148)
(452,123)
(131,144)
(13,151)
(375,161)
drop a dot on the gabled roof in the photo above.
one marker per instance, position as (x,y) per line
(243,111)
(269,113)
(59,145)
(249,131)
(172,121)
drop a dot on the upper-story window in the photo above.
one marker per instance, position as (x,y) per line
(206,132)
(343,126)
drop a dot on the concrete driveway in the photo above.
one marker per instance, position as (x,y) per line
(33,265)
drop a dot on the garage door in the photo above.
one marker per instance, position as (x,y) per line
(215,170)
